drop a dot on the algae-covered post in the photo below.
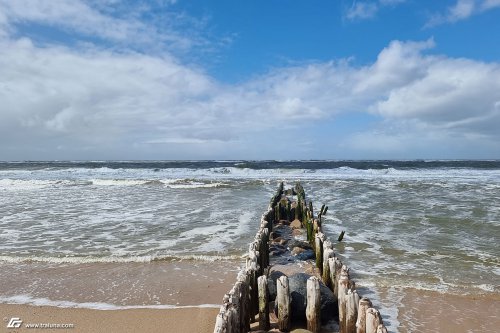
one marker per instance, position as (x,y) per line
(318,241)
(327,255)
(283,298)
(313,309)
(263,303)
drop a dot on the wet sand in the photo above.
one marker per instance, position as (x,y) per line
(430,311)
(107,285)
(107,297)
(184,320)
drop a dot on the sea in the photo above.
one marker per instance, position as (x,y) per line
(415,231)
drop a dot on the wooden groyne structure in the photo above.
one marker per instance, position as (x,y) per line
(247,307)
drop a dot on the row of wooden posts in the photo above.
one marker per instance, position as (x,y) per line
(249,296)
(356,315)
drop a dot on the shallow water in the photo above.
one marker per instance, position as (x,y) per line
(431,226)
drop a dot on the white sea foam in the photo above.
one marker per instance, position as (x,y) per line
(340,173)
(29,300)
(487,287)
(115,259)
(195,185)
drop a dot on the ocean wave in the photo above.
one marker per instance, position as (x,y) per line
(122,176)
(31,184)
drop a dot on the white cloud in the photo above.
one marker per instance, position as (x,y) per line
(489,4)
(461,10)
(368,9)
(97,100)
(78,16)
(362,10)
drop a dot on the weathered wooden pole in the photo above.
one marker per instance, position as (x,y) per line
(372,320)
(316,226)
(243,278)
(283,298)
(231,320)
(364,304)
(327,255)
(331,269)
(338,270)
(252,267)
(263,304)
(318,248)
(343,286)
(220,323)
(352,300)
(234,301)
(313,308)
(381,329)
(265,246)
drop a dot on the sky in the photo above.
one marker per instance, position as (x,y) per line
(249,79)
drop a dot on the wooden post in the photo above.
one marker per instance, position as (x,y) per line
(313,309)
(327,254)
(230,320)
(338,270)
(381,329)
(234,306)
(318,248)
(253,267)
(243,278)
(372,320)
(265,247)
(331,269)
(342,295)
(263,304)
(316,226)
(220,323)
(283,298)
(364,304)
(352,300)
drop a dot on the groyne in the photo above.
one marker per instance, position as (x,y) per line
(273,291)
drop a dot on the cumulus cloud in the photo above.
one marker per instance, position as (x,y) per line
(462,10)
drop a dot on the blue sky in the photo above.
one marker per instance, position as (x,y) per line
(165,79)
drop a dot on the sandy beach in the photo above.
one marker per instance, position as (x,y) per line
(181,320)
(420,311)
(177,296)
